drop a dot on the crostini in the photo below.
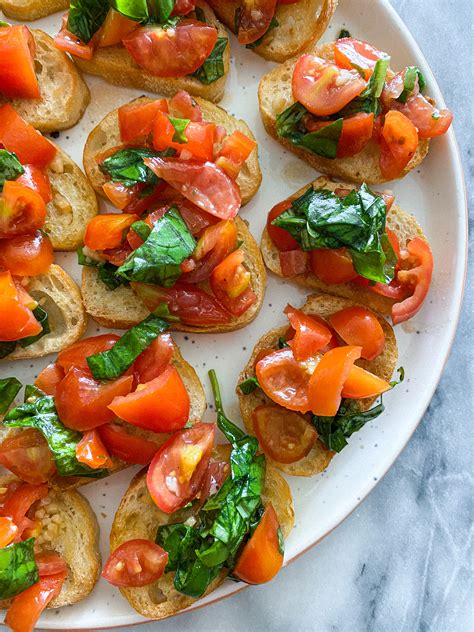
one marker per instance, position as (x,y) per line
(179,170)
(229,514)
(276,29)
(106,403)
(376,254)
(179,45)
(49,550)
(31,9)
(40,81)
(340,108)
(310,384)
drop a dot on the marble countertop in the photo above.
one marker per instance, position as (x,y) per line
(402,560)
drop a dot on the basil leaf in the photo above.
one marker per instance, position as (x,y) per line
(2,23)
(141,229)
(86,17)
(213,68)
(18,569)
(333,431)
(9,387)
(133,9)
(200,15)
(127,166)
(110,364)
(6,348)
(343,33)
(249,385)
(321,219)
(401,377)
(273,24)
(180,126)
(107,271)
(282,343)
(10,167)
(281,541)
(42,317)
(164,9)
(412,73)
(40,412)
(158,260)
(368,100)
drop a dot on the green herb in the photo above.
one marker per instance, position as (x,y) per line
(273,25)
(323,142)
(200,15)
(141,229)
(333,431)
(343,33)
(6,348)
(133,9)
(281,541)
(18,570)
(86,17)
(158,260)
(282,343)
(321,219)
(42,317)
(39,412)
(162,310)
(164,9)
(2,23)
(401,377)
(107,272)
(127,166)
(110,364)
(10,167)
(9,387)
(368,100)
(249,385)
(213,68)
(180,126)
(412,73)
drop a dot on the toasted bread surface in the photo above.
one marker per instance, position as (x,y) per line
(401,223)
(32,9)
(115,65)
(298,25)
(121,308)
(383,366)
(139,517)
(64,94)
(68,527)
(275,95)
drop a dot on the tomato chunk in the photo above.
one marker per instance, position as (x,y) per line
(16,320)
(91,451)
(36,179)
(279,236)
(49,378)
(136,119)
(27,255)
(230,282)
(417,277)
(70,43)
(18,136)
(50,564)
(135,563)
(76,354)
(293,262)
(22,210)
(19,502)
(115,27)
(107,231)
(359,326)
(17,67)
(332,265)
(235,150)
(8,531)
(215,244)
(310,335)
(254,19)
(28,456)
(398,143)
(361,383)
(130,448)
(182,105)
(153,361)
(353,53)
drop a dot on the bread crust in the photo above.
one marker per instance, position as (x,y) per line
(383,366)
(275,95)
(29,10)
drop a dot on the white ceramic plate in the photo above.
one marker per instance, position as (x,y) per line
(434,193)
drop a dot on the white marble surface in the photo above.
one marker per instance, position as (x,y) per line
(403,560)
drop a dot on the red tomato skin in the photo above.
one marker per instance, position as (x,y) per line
(216,242)
(50,564)
(17,69)
(76,354)
(8,531)
(130,448)
(293,262)
(153,361)
(398,143)
(418,276)
(17,505)
(16,320)
(279,236)
(91,451)
(27,255)
(310,335)
(230,282)
(182,105)
(136,119)
(353,53)
(28,456)
(114,29)
(332,265)
(70,43)
(251,28)
(361,384)
(121,569)
(36,179)
(428,120)
(18,136)
(360,327)
(49,378)
(106,231)
(22,210)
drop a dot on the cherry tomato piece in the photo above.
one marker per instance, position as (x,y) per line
(8,531)
(130,448)
(310,335)
(91,451)
(353,53)
(136,119)
(18,504)
(107,231)
(235,150)
(17,66)
(28,456)
(359,326)
(361,383)
(115,27)
(49,378)
(398,143)
(254,19)
(153,361)
(18,136)
(182,105)
(76,354)
(27,255)
(332,265)
(16,320)
(70,43)
(417,278)
(36,179)
(50,564)
(279,236)
(135,563)
(22,210)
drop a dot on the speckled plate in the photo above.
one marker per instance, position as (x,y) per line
(434,193)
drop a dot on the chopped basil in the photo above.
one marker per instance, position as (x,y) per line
(107,272)
(141,229)
(127,166)
(2,23)
(9,387)
(133,9)
(42,317)
(213,68)
(39,412)
(343,33)
(164,9)
(86,17)
(333,431)
(110,364)
(159,258)
(249,385)
(412,74)
(273,25)
(321,219)
(401,377)
(281,541)
(10,167)
(18,569)
(200,15)
(180,126)
(282,343)
(368,100)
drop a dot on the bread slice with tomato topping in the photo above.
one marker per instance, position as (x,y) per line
(404,225)
(299,24)
(383,366)
(31,9)
(138,517)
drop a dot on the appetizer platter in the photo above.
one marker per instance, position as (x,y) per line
(231,268)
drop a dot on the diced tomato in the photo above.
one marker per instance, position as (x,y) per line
(115,27)
(118,194)
(18,136)
(183,7)
(310,335)
(8,531)
(398,143)
(332,265)
(117,256)
(161,405)
(136,119)
(28,456)
(279,236)
(76,354)
(49,378)
(22,210)
(130,448)
(359,326)
(196,219)
(293,262)
(92,452)
(203,184)
(428,120)
(17,505)
(135,563)
(82,402)
(394,290)
(353,53)
(182,105)
(70,43)
(261,558)
(356,133)
(139,205)
(216,242)
(108,230)
(17,66)
(284,435)
(27,255)
(50,564)
(16,320)
(200,137)
(254,19)
(235,150)
(323,88)
(361,383)
(327,381)
(177,471)
(36,179)
(230,283)
(216,474)
(153,361)
(172,52)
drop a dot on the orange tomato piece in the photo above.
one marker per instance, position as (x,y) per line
(16,320)
(49,378)
(36,179)
(8,531)
(28,456)
(76,354)
(27,255)
(332,265)
(70,43)
(18,136)
(310,335)
(398,143)
(353,53)
(359,326)
(22,210)
(92,452)
(17,66)
(361,383)
(115,27)
(235,150)
(136,119)
(107,230)
(130,448)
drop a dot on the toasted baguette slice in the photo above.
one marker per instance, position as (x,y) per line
(401,223)
(68,527)
(139,517)
(57,293)
(28,10)
(299,25)
(383,365)
(106,136)
(64,94)
(275,95)
(121,308)
(116,65)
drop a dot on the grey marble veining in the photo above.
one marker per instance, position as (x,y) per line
(403,560)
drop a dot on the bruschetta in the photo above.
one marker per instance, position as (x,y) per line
(49,550)
(276,29)
(310,384)
(228,492)
(342,109)
(176,46)
(180,170)
(40,81)
(388,265)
